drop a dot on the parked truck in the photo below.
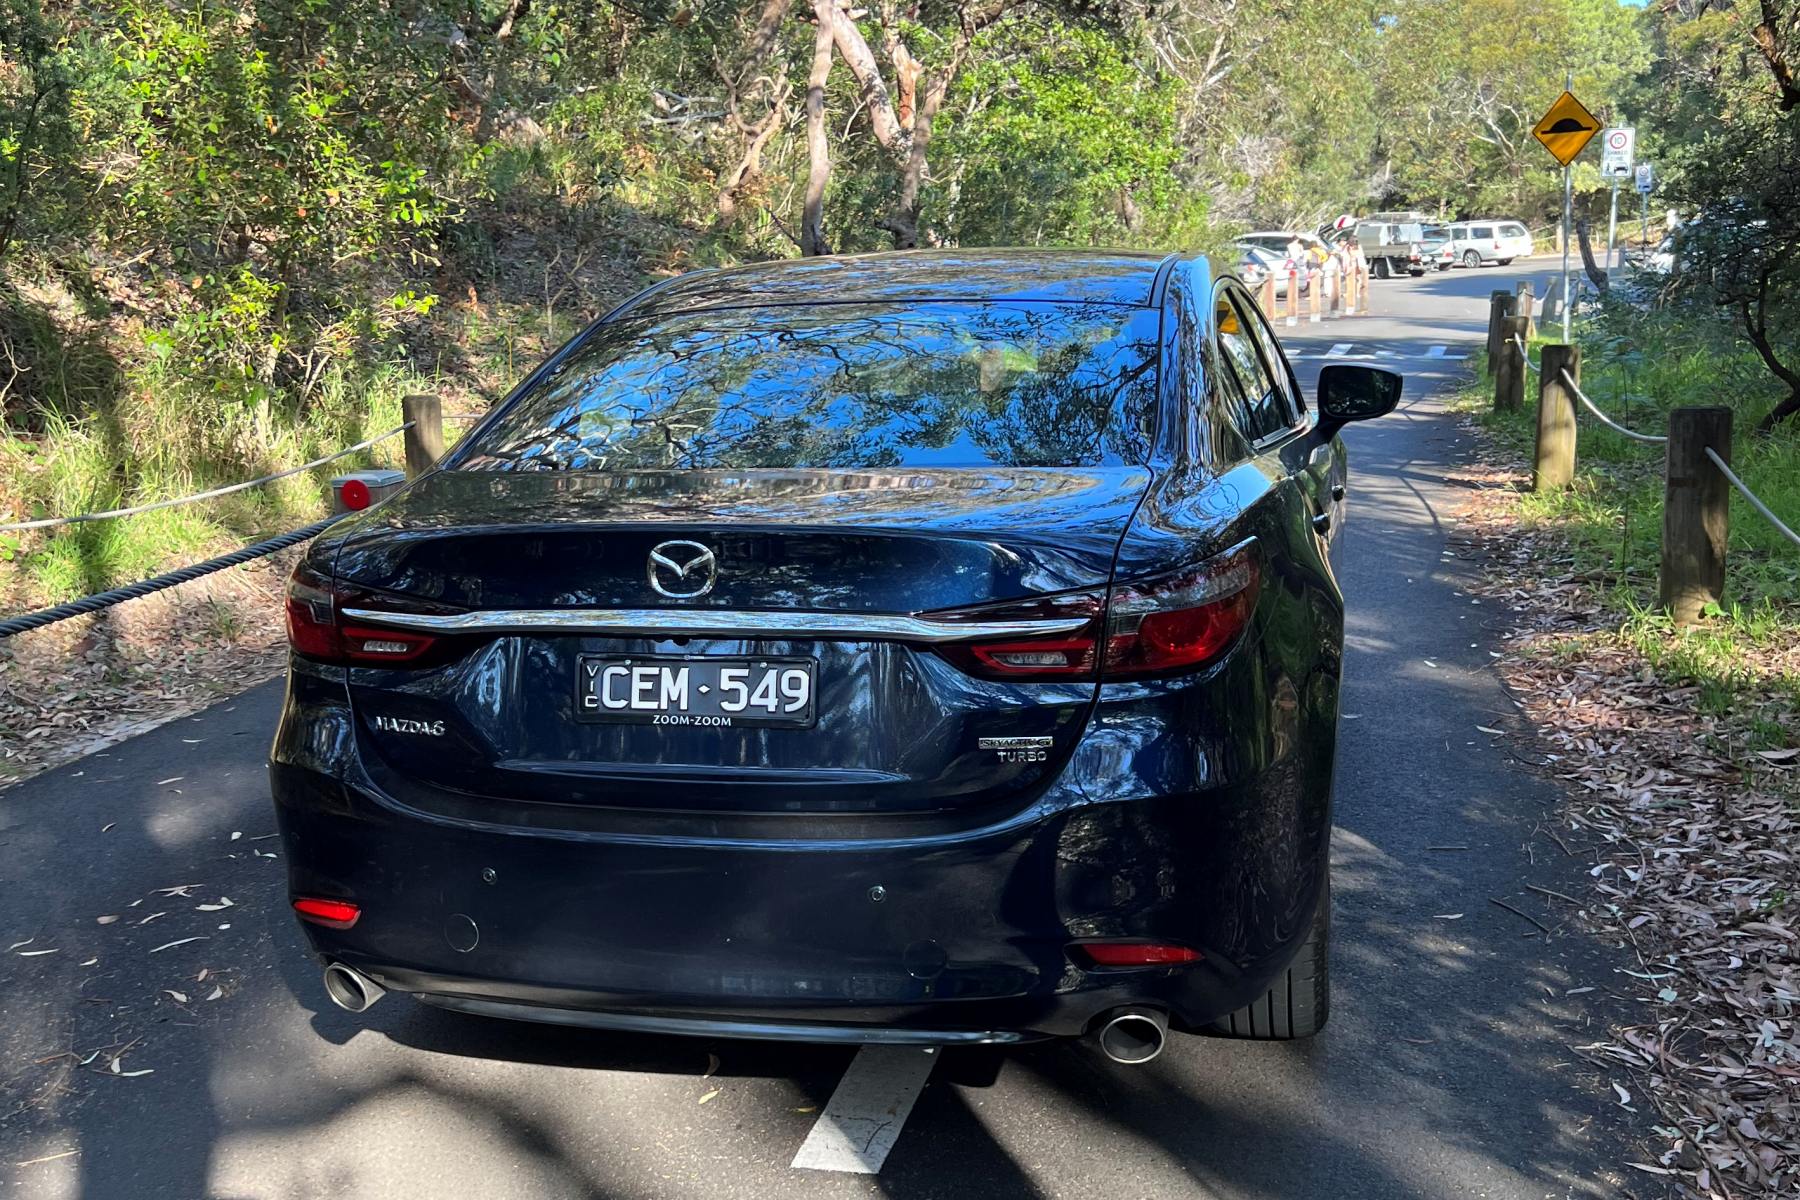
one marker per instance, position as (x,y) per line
(1392,247)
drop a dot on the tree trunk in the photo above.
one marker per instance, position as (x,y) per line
(904,223)
(1782,411)
(1600,277)
(1754,315)
(818,149)
(854,49)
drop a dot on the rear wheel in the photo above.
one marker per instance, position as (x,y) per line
(1471,258)
(1379,269)
(1297,1003)
(1506,262)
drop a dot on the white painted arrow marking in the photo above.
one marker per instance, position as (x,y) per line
(867,1111)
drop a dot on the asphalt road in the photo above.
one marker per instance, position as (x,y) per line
(1446,1069)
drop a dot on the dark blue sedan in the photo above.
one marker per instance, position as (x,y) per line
(938,647)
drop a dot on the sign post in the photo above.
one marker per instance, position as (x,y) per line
(1646,179)
(1616,146)
(1565,130)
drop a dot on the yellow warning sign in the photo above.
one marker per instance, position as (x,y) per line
(1566,128)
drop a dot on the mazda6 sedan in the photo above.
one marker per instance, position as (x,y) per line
(936,648)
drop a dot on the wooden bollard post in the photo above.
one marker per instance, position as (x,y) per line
(1498,310)
(1696,512)
(1553,464)
(1509,368)
(1268,296)
(424,434)
(1315,306)
(1293,297)
(1523,308)
(1349,286)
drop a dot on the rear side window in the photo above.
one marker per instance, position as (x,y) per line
(1512,231)
(1260,404)
(842,386)
(1483,231)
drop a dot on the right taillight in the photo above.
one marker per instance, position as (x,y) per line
(316,629)
(1175,623)
(1162,625)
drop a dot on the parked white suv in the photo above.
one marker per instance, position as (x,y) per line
(1477,242)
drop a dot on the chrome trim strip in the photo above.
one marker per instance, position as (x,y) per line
(726,1027)
(699,622)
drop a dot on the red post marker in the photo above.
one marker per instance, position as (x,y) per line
(355,494)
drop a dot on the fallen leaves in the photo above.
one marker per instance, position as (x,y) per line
(1695,872)
(179,942)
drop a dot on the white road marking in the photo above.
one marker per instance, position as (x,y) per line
(1444,353)
(864,1117)
(1339,350)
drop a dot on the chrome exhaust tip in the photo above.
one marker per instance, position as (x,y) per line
(1134,1035)
(350,989)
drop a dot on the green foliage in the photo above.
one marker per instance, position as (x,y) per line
(1466,83)
(1070,141)
(1637,366)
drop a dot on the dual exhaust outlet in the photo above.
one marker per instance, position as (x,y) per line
(1131,1036)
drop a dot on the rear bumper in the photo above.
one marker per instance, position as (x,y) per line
(941,940)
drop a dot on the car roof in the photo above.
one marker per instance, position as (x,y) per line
(909,276)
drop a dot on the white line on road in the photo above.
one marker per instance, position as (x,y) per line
(1339,350)
(1444,352)
(866,1112)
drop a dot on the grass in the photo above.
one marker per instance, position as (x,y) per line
(1745,657)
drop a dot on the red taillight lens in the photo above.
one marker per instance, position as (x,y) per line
(315,631)
(1182,621)
(1073,654)
(1136,954)
(312,615)
(1162,626)
(333,914)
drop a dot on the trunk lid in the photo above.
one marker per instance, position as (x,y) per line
(894,726)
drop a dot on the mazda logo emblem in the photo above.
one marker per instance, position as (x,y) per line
(682,570)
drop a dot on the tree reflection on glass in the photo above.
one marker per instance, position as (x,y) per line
(843,386)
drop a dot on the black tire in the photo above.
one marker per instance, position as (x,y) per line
(1472,259)
(1415,272)
(1379,269)
(1299,1001)
(1506,262)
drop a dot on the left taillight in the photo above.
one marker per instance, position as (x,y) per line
(316,630)
(1158,626)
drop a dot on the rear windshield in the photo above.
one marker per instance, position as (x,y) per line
(841,386)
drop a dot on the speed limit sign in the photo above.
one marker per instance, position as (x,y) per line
(1616,147)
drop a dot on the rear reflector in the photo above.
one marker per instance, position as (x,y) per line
(1136,954)
(333,914)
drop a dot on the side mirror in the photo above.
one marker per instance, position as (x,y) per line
(1348,392)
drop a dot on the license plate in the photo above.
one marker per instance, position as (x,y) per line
(697,691)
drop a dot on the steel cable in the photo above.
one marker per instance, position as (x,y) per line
(157,583)
(1751,496)
(1523,352)
(1604,419)
(50,522)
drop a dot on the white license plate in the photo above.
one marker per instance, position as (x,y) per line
(702,691)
